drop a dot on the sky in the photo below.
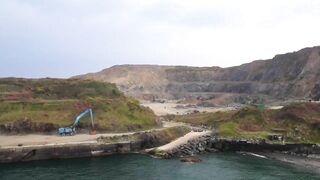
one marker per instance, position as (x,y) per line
(62,38)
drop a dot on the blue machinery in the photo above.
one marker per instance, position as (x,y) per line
(72,130)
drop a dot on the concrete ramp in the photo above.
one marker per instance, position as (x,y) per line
(183,140)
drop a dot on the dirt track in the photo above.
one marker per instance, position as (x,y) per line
(37,139)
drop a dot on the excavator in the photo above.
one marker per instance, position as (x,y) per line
(72,130)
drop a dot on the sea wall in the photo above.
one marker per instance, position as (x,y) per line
(17,154)
(103,146)
(225,144)
(212,143)
(30,153)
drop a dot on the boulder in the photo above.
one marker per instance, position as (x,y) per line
(190,159)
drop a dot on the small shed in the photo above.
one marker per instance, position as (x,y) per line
(276,137)
(259,106)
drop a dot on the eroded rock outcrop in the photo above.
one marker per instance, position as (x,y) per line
(25,126)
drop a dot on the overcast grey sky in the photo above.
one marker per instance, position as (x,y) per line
(61,38)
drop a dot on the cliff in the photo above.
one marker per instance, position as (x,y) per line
(292,75)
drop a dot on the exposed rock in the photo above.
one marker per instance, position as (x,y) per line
(315,93)
(213,143)
(191,159)
(24,126)
(194,146)
(286,76)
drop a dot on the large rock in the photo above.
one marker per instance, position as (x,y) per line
(190,159)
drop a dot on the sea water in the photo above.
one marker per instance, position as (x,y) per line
(133,166)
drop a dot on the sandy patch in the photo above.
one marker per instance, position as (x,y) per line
(162,109)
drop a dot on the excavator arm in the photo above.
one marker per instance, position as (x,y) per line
(72,130)
(78,118)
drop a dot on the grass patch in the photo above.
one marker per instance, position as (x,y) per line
(59,101)
(228,129)
(299,121)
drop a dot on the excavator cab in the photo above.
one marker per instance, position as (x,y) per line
(66,131)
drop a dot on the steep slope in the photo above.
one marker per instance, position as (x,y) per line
(287,76)
(141,81)
(43,105)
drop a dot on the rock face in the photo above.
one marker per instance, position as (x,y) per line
(143,81)
(293,75)
(25,126)
(196,146)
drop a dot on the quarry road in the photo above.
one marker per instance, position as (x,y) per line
(162,109)
(38,139)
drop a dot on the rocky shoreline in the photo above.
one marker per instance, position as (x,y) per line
(210,143)
(312,162)
(299,154)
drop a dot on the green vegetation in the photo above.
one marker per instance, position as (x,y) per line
(59,101)
(24,89)
(299,122)
(228,129)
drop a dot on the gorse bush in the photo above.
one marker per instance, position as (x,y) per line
(56,88)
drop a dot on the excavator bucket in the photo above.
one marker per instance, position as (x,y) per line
(93,132)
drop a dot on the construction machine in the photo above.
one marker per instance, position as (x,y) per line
(72,129)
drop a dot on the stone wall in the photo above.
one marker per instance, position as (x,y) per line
(213,143)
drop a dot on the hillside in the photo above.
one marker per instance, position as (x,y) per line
(141,81)
(293,75)
(43,105)
(299,122)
